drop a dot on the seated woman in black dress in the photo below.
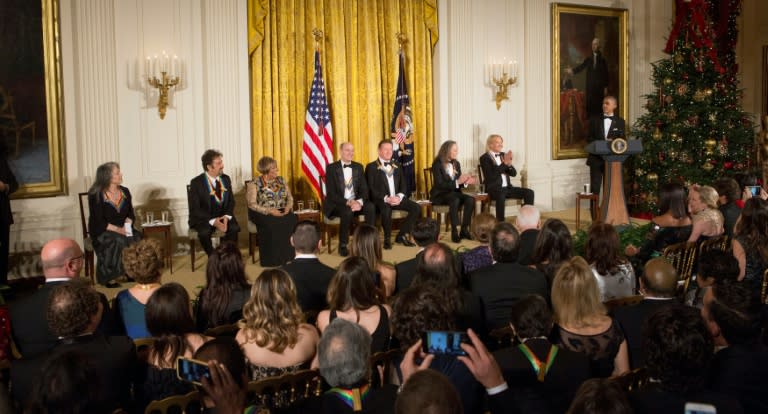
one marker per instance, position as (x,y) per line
(270,206)
(110,223)
(226,289)
(446,189)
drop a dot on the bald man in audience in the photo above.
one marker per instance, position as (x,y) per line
(527,222)
(658,285)
(62,261)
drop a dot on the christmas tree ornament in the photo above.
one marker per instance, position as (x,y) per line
(653,176)
(707,166)
(656,134)
(682,89)
(667,81)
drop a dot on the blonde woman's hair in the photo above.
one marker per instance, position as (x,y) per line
(272,316)
(708,196)
(143,261)
(575,295)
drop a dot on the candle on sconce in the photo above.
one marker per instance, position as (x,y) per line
(155,67)
(147,67)
(514,69)
(175,67)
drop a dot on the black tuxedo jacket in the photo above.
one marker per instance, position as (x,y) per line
(597,133)
(492,173)
(199,199)
(631,319)
(740,372)
(443,183)
(113,357)
(311,278)
(378,186)
(29,324)
(527,243)
(563,379)
(406,272)
(597,73)
(334,185)
(502,284)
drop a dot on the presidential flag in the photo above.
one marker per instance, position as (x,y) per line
(401,128)
(316,152)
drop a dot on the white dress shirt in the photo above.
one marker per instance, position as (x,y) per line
(390,181)
(498,160)
(349,189)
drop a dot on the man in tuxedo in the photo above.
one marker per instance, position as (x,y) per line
(62,261)
(346,193)
(527,222)
(732,313)
(425,232)
(597,78)
(212,202)
(497,169)
(500,285)
(603,127)
(658,285)
(389,191)
(74,311)
(310,276)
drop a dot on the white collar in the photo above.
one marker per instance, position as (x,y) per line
(58,279)
(211,179)
(381,161)
(305,256)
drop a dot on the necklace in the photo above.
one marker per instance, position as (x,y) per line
(147,286)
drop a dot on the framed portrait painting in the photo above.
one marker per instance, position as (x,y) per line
(31,117)
(589,61)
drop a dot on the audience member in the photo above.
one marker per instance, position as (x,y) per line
(110,222)
(750,242)
(486,371)
(480,256)
(428,391)
(678,355)
(169,320)
(226,389)
(62,261)
(500,285)
(310,276)
(73,311)
(658,285)
(446,189)
(583,325)
(389,191)
(427,307)
(613,272)
(72,384)
(272,334)
(497,170)
(226,290)
(270,208)
(425,232)
(212,202)
(143,262)
(543,377)
(366,244)
(527,222)
(553,247)
(343,354)
(732,313)
(600,396)
(346,194)
(714,268)
(729,192)
(353,296)
(707,219)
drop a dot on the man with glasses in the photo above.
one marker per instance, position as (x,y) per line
(62,261)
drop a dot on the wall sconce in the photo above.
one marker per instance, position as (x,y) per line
(162,73)
(502,76)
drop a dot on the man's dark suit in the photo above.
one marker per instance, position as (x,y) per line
(113,357)
(502,284)
(378,187)
(29,323)
(740,371)
(527,243)
(492,181)
(597,81)
(203,208)
(311,278)
(631,319)
(335,205)
(406,272)
(731,213)
(597,133)
(563,379)
(6,217)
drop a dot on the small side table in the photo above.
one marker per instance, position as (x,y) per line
(426,207)
(163,229)
(311,215)
(482,199)
(593,203)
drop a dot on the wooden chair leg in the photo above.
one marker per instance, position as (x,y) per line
(192,252)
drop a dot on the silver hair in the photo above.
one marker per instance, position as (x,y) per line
(343,354)
(528,216)
(103,177)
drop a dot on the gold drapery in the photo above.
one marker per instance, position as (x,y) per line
(360,63)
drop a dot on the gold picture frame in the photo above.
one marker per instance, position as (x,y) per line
(32,96)
(577,71)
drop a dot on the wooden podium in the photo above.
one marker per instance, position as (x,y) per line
(614,205)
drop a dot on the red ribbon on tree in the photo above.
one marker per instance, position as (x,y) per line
(691,18)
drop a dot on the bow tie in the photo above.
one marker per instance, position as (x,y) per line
(386,163)
(346,165)
(500,155)
(608,117)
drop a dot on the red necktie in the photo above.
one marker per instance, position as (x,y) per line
(218,189)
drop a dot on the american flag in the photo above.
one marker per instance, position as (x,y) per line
(318,134)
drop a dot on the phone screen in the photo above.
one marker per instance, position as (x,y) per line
(444,342)
(699,408)
(191,370)
(754,189)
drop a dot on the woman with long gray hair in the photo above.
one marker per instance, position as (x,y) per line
(111,222)
(446,189)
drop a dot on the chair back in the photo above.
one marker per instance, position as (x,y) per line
(183,404)
(682,256)
(83,199)
(280,392)
(382,360)
(228,330)
(613,304)
(322,189)
(717,243)
(480,175)
(633,380)
(428,180)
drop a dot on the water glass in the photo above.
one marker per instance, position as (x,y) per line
(312,205)
(422,196)
(482,188)
(165,216)
(149,218)
(300,205)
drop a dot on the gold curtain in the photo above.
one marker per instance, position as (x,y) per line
(359,59)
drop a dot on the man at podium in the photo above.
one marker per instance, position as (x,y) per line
(605,127)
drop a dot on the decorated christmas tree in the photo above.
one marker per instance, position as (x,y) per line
(694,130)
